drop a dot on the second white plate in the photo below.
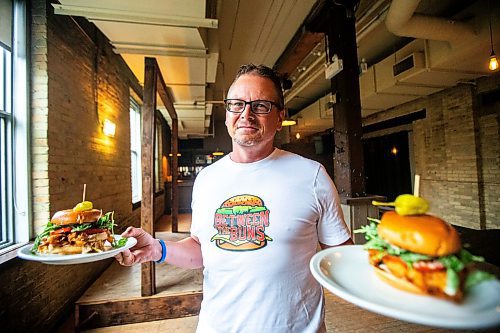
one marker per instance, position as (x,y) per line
(345,271)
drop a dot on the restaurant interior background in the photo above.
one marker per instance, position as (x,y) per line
(429,105)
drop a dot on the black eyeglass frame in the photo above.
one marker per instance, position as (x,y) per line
(251,105)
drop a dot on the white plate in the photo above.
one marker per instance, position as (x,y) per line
(345,271)
(69,259)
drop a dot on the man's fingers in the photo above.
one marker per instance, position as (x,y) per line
(125,258)
(130,232)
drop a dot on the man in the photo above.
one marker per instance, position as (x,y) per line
(258,215)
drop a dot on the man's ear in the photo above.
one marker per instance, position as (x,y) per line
(281,117)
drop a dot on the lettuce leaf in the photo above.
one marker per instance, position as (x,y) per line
(453,263)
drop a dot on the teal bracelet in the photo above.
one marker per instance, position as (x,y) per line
(163,251)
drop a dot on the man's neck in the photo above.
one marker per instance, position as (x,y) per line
(242,154)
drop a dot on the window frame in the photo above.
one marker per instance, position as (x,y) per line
(16,182)
(136,149)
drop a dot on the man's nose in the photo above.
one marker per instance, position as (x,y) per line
(247,112)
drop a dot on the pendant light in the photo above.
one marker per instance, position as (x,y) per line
(287,121)
(493,63)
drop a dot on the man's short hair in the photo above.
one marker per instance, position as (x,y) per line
(269,73)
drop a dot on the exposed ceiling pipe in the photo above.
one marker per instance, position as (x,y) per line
(401,20)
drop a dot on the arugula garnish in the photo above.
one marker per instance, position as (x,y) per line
(107,222)
(49,227)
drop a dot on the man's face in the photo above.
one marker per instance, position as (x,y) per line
(247,128)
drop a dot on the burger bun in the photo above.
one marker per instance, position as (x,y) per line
(68,217)
(424,234)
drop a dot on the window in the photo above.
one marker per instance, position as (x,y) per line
(135,150)
(5,145)
(158,149)
(14,116)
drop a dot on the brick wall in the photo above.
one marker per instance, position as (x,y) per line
(39,113)
(457,154)
(73,71)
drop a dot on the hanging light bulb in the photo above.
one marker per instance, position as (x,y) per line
(493,63)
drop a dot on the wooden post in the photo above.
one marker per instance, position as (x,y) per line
(175,188)
(348,155)
(148,285)
(167,100)
(154,83)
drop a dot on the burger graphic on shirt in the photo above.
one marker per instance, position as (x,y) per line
(241,222)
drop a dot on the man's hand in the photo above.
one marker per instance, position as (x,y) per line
(146,249)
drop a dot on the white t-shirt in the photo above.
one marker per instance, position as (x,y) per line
(269,288)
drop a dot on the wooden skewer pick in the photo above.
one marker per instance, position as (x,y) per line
(84,189)
(416,186)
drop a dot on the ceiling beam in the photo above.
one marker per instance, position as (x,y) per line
(297,50)
(160,52)
(113,15)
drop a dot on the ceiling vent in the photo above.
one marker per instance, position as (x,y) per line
(407,66)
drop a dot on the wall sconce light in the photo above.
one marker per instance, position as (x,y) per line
(109,128)
(297,135)
(394,151)
(178,154)
(493,63)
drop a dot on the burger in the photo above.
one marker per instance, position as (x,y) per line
(241,222)
(82,229)
(421,254)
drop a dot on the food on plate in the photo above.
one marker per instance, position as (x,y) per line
(82,229)
(421,254)
(407,204)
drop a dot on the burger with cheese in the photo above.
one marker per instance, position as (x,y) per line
(82,229)
(421,254)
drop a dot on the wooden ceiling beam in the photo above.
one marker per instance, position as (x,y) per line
(305,39)
(299,47)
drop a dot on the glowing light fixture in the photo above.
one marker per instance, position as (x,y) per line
(288,122)
(218,153)
(493,63)
(297,135)
(394,151)
(178,154)
(108,128)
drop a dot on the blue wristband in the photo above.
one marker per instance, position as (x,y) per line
(163,251)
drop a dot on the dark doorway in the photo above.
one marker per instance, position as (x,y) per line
(387,165)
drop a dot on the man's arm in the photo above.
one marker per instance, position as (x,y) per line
(185,253)
(347,242)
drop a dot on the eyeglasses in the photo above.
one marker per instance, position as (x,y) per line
(257,107)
